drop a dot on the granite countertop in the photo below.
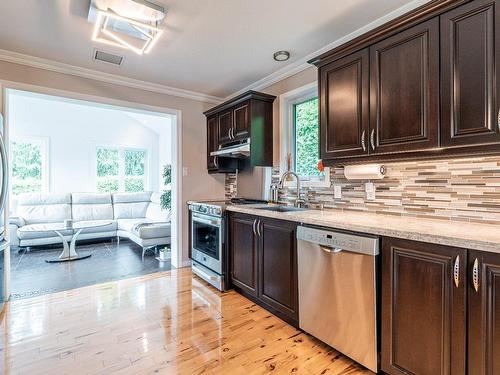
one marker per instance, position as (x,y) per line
(475,236)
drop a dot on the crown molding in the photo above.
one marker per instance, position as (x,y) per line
(302,63)
(58,67)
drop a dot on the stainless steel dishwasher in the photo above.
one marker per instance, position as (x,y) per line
(338,291)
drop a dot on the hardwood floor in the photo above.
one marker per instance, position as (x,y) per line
(164,323)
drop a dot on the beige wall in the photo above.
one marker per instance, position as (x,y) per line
(198,183)
(291,83)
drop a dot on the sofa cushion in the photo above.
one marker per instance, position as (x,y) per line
(144,228)
(91,206)
(37,208)
(34,231)
(129,224)
(152,230)
(104,226)
(131,205)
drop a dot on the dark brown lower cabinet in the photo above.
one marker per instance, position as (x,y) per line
(484,314)
(263,263)
(243,253)
(423,308)
(278,286)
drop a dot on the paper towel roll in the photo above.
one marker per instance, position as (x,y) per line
(364,172)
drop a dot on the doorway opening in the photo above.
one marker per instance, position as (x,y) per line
(90,196)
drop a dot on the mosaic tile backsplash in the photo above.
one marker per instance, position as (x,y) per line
(459,190)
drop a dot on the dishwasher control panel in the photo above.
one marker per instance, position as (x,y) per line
(339,240)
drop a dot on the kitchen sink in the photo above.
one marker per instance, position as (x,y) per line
(281,208)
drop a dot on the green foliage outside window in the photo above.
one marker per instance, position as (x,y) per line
(26,167)
(306,138)
(134,170)
(166,196)
(108,170)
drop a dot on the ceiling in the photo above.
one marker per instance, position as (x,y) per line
(214,47)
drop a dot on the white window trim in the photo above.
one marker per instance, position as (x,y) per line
(44,142)
(121,164)
(287,101)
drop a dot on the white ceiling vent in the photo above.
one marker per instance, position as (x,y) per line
(108,58)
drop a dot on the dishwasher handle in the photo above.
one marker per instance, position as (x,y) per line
(330,250)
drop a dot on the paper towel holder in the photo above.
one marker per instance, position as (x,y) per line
(365,172)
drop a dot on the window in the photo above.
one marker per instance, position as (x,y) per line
(305,121)
(120,169)
(29,160)
(300,136)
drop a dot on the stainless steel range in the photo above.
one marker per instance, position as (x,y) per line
(208,242)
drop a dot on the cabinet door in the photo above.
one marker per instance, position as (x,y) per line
(278,286)
(212,142)
(470,69)
(344,117)
(243,253)
(423,308)
(484,314)
(404,90)
(225,120)
(241,115)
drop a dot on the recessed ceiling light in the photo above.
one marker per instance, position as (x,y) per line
(281,55)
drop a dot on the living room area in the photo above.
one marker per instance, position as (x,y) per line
(90,196)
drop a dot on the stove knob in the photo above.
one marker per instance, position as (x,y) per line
(203,209)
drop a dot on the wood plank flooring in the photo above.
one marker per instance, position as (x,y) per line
(164,323)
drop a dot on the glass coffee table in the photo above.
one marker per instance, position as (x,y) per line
(69,247)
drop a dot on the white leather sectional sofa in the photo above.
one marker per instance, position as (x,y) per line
(136,216)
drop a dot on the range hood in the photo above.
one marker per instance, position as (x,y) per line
(238,150)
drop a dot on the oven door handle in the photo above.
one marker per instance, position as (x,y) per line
(214,223)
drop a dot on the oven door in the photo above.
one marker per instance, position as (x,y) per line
(206,240)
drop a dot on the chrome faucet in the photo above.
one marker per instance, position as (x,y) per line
(299,202)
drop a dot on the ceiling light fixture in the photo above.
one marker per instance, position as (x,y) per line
(281,55)
(138,34)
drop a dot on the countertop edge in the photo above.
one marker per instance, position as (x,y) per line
(473,244)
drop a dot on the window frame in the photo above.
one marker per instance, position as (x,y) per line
(287,102)
(44,143)
(121,164)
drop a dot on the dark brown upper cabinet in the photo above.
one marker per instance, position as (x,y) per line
(212,142)
(225,127)
(404,90)
(344,106)
(484,313)
(470,74)
(424,297)
(434,87)
(216,164)
(241,128)
(247,116)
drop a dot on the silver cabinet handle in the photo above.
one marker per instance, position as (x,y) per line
(258,228)
(232,133)
(372,139)
(475,275)
(253,227)
(216,161)
(363,144)
(456,271)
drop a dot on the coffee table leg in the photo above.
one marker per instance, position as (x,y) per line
(65,253)
(69,251)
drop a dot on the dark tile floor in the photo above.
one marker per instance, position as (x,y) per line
(32,276)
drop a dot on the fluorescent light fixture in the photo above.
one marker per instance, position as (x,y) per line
(151,33)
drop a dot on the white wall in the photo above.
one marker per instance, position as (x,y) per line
(74,130)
